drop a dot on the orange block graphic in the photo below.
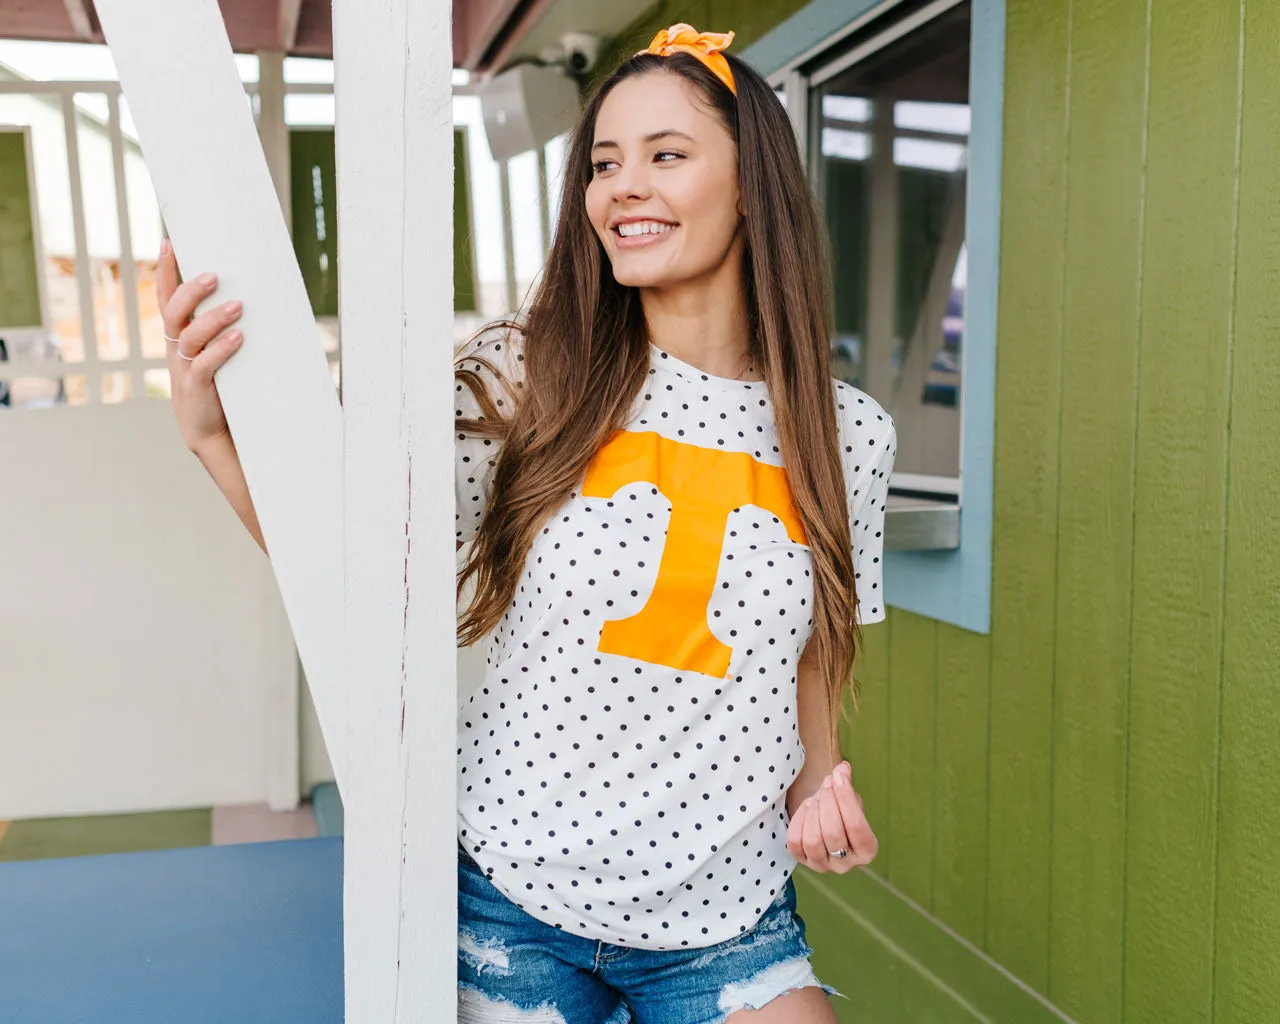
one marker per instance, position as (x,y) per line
(703,485)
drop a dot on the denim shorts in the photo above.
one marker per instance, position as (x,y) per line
(513,967)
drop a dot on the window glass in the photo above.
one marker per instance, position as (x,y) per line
(892,136)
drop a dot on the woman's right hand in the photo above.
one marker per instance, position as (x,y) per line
(195,395)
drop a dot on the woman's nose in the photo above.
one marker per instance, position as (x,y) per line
(631,182)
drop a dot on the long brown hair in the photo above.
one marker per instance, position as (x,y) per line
(586,357)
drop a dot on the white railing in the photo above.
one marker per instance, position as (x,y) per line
(36,351)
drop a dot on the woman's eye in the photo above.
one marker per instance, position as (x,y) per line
(600,166)
(669,153)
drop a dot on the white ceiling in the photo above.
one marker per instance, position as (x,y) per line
(602,17)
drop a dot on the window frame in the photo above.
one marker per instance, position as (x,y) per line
(937,554)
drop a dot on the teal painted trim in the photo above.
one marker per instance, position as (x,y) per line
(804,30)
(326,806)
(951,586)
(955,586)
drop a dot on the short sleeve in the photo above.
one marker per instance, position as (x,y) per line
(869,442)
(475,457)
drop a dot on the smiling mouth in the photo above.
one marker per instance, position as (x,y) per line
(642,232)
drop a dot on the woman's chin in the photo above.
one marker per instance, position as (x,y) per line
(631,273)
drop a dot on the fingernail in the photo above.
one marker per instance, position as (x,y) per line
(235,307)
(234,337)
(207,279)
(826,783)
(842,779)
(164,247)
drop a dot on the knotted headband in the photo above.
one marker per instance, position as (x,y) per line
(705,46)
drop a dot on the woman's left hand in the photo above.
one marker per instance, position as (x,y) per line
(829,821)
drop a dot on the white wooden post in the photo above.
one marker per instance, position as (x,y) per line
(223,214)
(395,164)
(273,130)
(282,737)
(383,610)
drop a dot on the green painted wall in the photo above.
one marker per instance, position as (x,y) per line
(19,288)
(1084,801)
(1087,795)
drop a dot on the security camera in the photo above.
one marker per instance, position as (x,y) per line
(581,51)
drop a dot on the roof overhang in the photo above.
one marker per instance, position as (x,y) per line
(487,34)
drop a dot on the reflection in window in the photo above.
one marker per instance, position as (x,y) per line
(891,169)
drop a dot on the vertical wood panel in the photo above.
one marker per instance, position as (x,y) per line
(960,788)
(1028,389)
(395,163)
(912,727)
(865,742)
(1246,979)
(1099,391)
(1180,522)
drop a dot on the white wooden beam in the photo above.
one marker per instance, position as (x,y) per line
(392,63)
(223,215)
(287,15)
(78,13)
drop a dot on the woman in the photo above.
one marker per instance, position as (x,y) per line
(675,515)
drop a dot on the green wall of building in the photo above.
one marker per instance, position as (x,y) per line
(1077,814)
(1086,795)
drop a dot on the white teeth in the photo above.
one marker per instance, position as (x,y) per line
(643,227)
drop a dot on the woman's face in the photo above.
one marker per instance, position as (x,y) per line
(663,195)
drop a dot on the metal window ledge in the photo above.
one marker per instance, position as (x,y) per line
(920,524)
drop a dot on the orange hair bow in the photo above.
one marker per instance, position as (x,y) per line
(705,46)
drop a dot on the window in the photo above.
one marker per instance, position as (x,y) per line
(897,107)
(890,138)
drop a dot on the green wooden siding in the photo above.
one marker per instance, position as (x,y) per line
(1087,796)
(1246,981)
(313,195)
(464,259)
(19,285)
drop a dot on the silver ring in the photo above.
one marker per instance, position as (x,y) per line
(186,357)
(167,338)
(841,853)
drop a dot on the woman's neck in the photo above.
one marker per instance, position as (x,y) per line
(703,322)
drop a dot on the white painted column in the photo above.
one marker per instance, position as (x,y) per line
(511,289)
(88,325)
(282,734)
(544,202)
(128,265)
(272,128)
(223,214)
(395,164)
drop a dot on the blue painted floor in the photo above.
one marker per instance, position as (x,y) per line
(209,935)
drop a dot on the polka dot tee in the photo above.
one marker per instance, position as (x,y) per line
(624,765)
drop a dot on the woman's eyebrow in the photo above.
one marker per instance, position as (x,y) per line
(651,137)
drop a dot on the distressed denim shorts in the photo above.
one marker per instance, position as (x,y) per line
(514,968)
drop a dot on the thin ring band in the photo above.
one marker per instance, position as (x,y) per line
(841,853)
(178,349)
